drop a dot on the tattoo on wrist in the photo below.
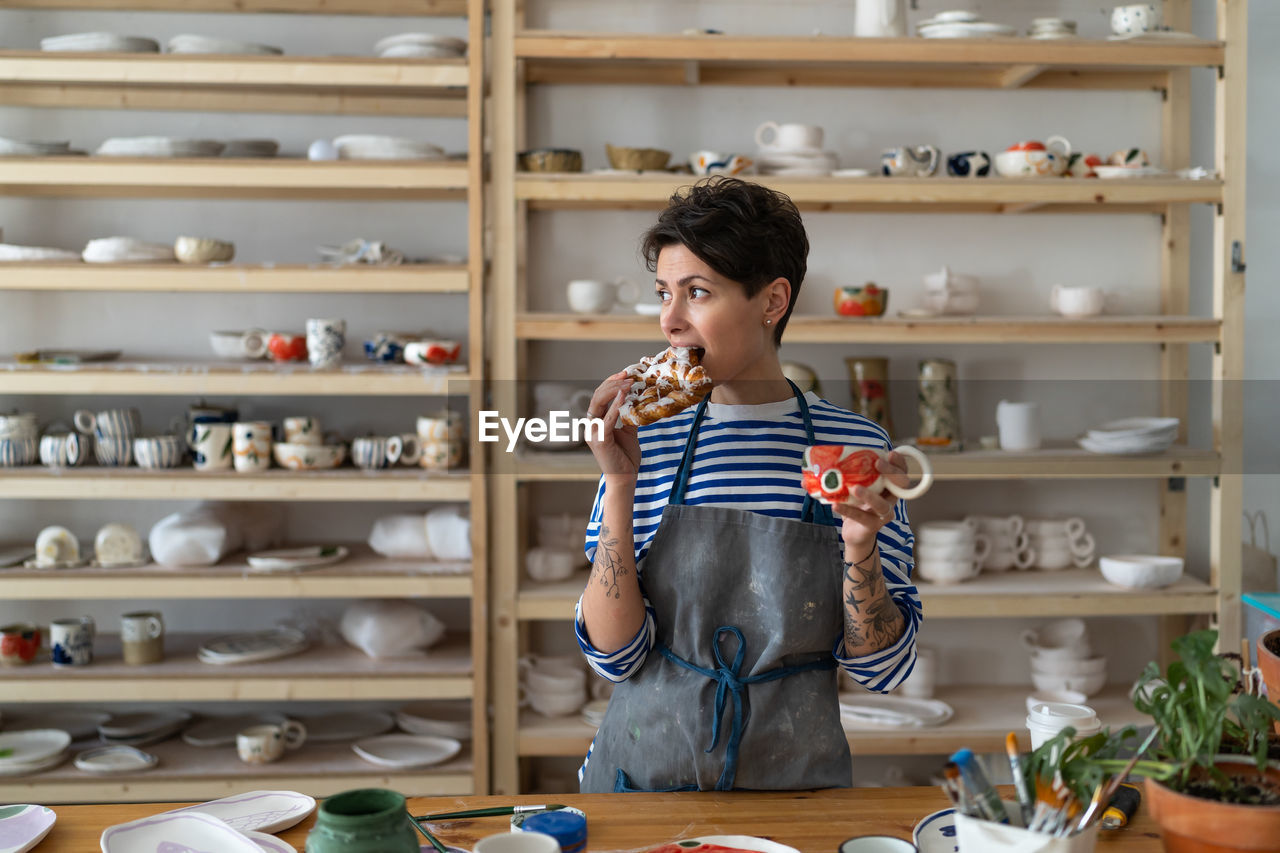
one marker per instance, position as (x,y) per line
(609,569)
(871,617)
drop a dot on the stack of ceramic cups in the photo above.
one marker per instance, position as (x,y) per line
(1052,28)
(552,686)
(1061,658)
(1060,543)
(1010,545)
(442,440)
(18,439)
(950,551)
(113,431)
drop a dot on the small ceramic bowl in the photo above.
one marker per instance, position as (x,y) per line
(637,159)
(1143,571)
(308,457)
(1086,684)
(869,300)
(248,344)
(387,347)
(550,160)
(432,352)
(201,250)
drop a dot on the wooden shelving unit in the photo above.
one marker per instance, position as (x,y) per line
(279,84)
(524,57)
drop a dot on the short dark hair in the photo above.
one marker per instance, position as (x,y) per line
(745,232)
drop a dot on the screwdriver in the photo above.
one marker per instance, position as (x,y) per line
(1123,806)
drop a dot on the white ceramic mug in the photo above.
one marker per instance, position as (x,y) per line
(1018,425)
(789,137)
(251,445)
(561,397)
(1077,301)
(998,525)
(979,548)
(1003,559)
(1064,637)
(142,637)
(211,446)
(266,743)
(947,571)
(946,532)
(374,451)
(119,422)
(565,531)
(325,340)
(880,18)
(160,451)
(113,451)
(1071,528)
(588,296)
(552,702)
(517,842)
(1136,18)
(71,641)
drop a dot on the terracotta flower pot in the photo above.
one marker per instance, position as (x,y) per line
(1269,663)
(1195,825)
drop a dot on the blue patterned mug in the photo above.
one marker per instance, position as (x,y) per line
(72,641)
(969,164)
(17,451)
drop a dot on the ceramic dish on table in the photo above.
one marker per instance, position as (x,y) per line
(26,769)
(253,646)
(143,727)
(30,747)
(257,811)
(176,831)
(269,843)
(1141,571)
(158,146)
(517,820)
(23,826)
(371,147)
(292,559)
(404,752)
(115,759)
(936,833)
(1111,173)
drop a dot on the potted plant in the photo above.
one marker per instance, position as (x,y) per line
(1210,800)
(1269,663)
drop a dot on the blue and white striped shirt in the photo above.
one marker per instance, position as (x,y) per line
(749,458)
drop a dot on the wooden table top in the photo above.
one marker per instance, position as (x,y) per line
(811,821)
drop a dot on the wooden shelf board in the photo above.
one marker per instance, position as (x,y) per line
(934,195)
(363,575)
(1072,592)
(192,774)
(230,377)
(339,484)
(985,329)
(434,8)
(322,673)
(269,178)
(1055,462)
(983,716)
(238,278)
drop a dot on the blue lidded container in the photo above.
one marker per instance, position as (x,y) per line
(567,828)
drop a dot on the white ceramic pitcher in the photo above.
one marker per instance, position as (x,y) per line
(881,18)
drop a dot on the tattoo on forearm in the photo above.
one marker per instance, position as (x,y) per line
(609,569)
(871,618)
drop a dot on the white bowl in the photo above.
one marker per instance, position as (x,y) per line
(1058,666)
(1141,571)
(308,457)
(1086,684)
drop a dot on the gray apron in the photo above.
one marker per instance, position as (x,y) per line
(739,690)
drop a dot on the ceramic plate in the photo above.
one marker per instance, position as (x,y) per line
(203,44)
(29,747)
(257,811)
(1111,173)
(406,751)
(115,759)
(449,42)
(100,43)
(80,724)
(270,843)
(142,723)
(222,731)
(347,726)
(26,769)
(288,559)
(877,711)
(937,833)
(24,826)
(255,646)
(1135,448)
(1135,427)
(975,29)
(737,842)
(851,173)
(443,719)
(175,831)
(1156,35)
(25,254)
(517,820)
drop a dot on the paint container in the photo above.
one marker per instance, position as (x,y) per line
(567,828)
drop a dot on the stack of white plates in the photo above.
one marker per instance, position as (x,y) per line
(126,250)
(143,727)
(159,146)
(420,46)
(251,148)
(204,44)
(100,43)
(368,147)
(12,253)
(32,751)
(32,148)
(878,711)
(796,162)
(1132,436)
(593,712)
(451,718)
(962,25)
(255,646)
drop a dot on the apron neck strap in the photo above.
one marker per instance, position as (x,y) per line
(812,510)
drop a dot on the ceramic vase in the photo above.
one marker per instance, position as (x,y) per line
(869,389)
(366,820)
(938,406)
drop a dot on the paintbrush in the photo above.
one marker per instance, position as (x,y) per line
(492,811)
(952,773)
(435,842)
(1096,808)
(1020,783)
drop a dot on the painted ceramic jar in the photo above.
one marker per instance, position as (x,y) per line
(869,300)
(869,389)
(939,406)
(366,820)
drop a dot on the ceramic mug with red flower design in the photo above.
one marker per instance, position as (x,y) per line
(19,644)
(831,471)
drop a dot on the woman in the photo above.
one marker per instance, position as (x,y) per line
(722,598)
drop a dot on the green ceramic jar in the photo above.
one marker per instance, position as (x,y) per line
(366,820)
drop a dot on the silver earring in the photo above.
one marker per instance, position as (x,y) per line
(768,322)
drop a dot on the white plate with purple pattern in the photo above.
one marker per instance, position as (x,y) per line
(936,833)
(257,811)
(24,826)
(269,843)
(175,831)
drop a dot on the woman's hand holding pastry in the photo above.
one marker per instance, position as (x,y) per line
(618,451)
(868,511)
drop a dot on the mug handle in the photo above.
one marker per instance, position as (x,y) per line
(1085,546)
(1018,523)
(74,449)
(84,420)
(1024,559)
(410,449)
(761,130)
(155,627)
(395,446)
(1082,561)
(253,343)
(1060,144)
(926,475)
(981,549)
(1076,527)
(934,156)
(1021,542)
(295,734)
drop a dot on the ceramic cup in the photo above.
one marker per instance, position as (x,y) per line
(325,340)
(1077,301)
(72,641)
(946,532)
(877,844)
(287,346)
(551,564)
(869,300)
(113,451)
(909,161)
(18,451)
(162,451)
(969,164)
(564,531)
(517,842)
(441,440)
(1018,425)
(410,448)
(880,19)
(302,429)
(388,347)
(1063,638)
(374,451)
(67,448)
(978,550)
(552,703)
(1136,18)
(1003,559)
(142,636)
(432,351)
(119,422)
(56,546)
(947,571)
(588,296)
(251,445)
(265,744)
(789,137)
(19,644)
(248,344)
(561,397)
(18,425)
(1046,528)
(831,471)
(211,445)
